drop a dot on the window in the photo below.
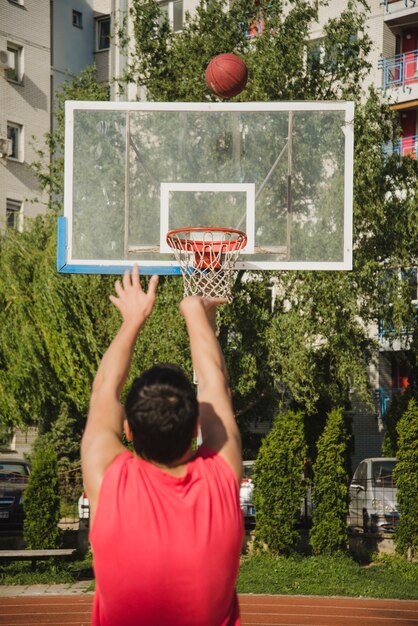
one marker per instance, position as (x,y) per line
(13,214)
(14,58)
(103,34)
(14,133)
(412,276)
(173,12)
(77,19)
(177,15)
(314,55)
(360,475)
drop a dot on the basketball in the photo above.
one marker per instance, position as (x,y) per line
(226,75)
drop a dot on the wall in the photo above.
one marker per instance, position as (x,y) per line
(26,103)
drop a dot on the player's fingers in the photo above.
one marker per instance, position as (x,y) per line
(135,277)
(127,279)
(211,302)
(119,288)
(152,286)
(114,300)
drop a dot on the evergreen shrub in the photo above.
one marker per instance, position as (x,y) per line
(406,477)
(329,533)
(279,484)
(42,500)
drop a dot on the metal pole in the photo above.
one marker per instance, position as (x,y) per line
(289,183)
(127,146)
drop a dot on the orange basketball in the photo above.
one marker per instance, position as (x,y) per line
(226,75)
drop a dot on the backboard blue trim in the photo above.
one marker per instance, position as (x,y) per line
(73,268)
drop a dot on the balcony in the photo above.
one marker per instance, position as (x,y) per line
(399,12)
(406,146)
(385,396)
(388,342)
(400,76)
(400,71)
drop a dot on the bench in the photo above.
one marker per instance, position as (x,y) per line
(35,555)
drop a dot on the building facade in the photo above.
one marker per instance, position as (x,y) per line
(42,44)
(25,105)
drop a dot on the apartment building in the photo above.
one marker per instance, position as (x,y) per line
(25,104)
(393,28)
(41,45)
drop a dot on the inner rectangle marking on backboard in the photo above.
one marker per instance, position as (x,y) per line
(246,222)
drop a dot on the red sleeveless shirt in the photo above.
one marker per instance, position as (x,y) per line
(166,549)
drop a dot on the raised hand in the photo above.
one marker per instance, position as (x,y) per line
(134,304)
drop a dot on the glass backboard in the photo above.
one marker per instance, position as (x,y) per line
(280,171)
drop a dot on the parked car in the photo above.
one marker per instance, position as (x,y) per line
(373,506)
(246,499)
(246,493)
(14,476)
(83,508)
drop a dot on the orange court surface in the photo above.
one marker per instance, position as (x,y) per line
(257,610)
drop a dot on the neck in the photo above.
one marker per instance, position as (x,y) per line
(177,467)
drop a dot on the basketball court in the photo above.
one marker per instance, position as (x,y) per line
(67,610)
(202,190)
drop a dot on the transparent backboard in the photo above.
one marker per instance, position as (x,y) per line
(280,172)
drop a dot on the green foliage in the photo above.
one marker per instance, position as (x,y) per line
(329,533)
(42,500)
(311,347)
(279,485)
(247,317)
(397,408)
(314,344)
(406,478)
(338,575)
(48,572)
(172,65)
(49,171)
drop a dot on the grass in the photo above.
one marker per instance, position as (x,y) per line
(386,577)
(47,572)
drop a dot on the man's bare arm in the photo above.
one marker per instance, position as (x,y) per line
(219,428)
(102,439)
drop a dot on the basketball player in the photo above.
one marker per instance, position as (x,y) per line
(166,525)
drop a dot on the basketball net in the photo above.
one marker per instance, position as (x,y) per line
(207,258)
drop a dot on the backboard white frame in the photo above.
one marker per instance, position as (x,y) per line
(67,263)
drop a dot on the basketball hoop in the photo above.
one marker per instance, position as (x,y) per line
(207,258)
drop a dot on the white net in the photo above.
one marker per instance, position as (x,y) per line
(207,259)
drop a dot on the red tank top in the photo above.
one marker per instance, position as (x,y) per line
(166,549)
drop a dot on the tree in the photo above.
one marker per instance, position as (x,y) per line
(313,346)
(279,484)
(55,328)
(406,478)
(397,408)
(41,502)
(316,342)
(329,533)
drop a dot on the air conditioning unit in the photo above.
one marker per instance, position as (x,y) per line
(6,147)
(4,61)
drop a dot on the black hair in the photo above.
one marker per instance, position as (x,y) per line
(161,408)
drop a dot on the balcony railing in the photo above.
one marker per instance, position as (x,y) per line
(387,329)
(406,3)
(406,146)
(400,71)
(385,396)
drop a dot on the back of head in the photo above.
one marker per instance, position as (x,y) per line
(162,409)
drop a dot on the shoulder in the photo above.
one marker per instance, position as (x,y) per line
(216,464)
